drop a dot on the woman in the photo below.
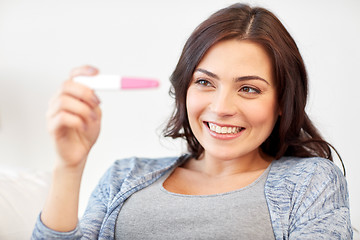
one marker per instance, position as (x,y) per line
(256,168)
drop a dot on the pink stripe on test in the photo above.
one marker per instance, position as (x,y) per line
(131,82)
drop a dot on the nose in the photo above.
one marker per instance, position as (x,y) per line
(223,104)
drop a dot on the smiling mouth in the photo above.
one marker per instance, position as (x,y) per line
(223,129)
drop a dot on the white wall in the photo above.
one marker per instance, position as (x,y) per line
(41,40)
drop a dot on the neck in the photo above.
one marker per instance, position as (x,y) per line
(221,167)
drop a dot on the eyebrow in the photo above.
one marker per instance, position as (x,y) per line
(238,79)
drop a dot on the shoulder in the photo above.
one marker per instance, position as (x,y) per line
(141,165)
(296,163)
(137,167)
(134,169)
(300,191)
(306,180)
(293,169)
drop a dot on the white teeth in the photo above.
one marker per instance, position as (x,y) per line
(229,130)
(218,129)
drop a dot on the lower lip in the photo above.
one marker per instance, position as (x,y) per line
(224,136)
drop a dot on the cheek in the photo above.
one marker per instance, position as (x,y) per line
(262,113)
(193,104)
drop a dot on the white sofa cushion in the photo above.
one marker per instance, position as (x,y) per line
(22,195)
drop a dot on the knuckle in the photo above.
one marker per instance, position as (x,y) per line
(61,102)
(61,117)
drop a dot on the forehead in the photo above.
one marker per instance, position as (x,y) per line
(235,58)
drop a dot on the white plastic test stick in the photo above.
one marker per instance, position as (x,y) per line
(116,82)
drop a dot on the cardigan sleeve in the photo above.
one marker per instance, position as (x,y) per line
(320,204)
(89,225)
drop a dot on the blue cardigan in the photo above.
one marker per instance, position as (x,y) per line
(307,198)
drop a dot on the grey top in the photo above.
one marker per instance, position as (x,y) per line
(307,198)
(155,213)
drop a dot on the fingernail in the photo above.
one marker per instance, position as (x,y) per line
(90,70)
(95,99)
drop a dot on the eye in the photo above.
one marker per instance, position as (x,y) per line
(250,90)
(203,82)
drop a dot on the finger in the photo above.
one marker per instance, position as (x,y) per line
(98,112)
(80,92)
(66,120)
(74,106)
(86,70)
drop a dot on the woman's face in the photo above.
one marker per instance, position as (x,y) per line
(231,101)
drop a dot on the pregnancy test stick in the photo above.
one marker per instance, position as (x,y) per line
(115,82)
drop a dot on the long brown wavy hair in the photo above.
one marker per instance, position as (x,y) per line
(293,134)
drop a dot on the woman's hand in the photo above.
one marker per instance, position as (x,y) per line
(73,119)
